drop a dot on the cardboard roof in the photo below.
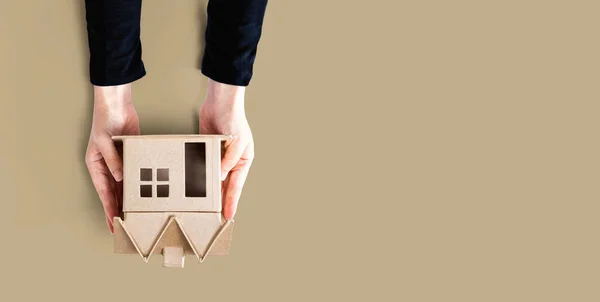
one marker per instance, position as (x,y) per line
(171,235)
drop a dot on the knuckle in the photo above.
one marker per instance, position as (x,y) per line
(245,162)
(89,161)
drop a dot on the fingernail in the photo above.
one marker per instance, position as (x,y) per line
(118,175)
(223,175)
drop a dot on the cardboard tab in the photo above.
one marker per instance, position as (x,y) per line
(173,256)
(222,241)
(124,244)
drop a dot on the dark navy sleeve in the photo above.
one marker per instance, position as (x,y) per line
(232,34)
(113,28)
(233,30)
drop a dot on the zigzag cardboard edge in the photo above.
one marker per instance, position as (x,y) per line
(124,243)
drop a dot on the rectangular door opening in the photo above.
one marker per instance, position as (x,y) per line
(195,169)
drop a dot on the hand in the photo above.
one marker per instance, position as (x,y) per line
(223,113)
(114,114)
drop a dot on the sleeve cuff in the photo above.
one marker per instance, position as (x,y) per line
(98,80)
(222,75)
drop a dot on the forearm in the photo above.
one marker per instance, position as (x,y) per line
(113,28)
(233,31)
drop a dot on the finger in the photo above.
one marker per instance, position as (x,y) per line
(224,186)
(102,179)
(233,153)
(233,191)
(109,223)
(111,156)
(106,196)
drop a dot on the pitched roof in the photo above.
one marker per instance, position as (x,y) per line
(172,234)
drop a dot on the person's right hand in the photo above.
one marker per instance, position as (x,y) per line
(114,114)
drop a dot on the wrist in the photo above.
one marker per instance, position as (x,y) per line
(112,97)
(224,95)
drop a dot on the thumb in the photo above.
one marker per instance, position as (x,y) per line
(232,156)
(111,157)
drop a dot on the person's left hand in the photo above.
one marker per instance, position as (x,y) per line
(223,113)
(114,114)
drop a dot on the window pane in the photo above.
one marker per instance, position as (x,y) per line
(162,174)
(162,190)
(145,174)
(146,190)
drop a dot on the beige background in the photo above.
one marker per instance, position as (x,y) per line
(406,151)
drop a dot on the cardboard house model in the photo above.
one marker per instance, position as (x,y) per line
(172,198)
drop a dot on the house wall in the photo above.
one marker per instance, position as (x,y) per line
(168,153)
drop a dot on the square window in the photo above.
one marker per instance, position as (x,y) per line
(146,190)
(162,190)
(162,174)
(145,174)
